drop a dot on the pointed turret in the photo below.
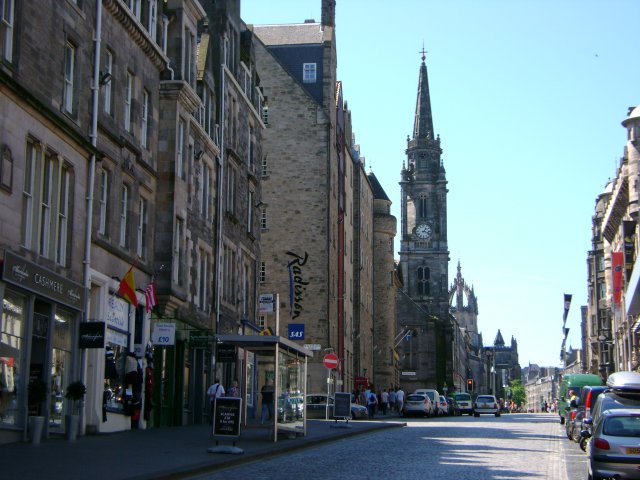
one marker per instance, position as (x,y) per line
(423,124)
(499,341)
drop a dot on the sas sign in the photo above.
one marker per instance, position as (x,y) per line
(296,331)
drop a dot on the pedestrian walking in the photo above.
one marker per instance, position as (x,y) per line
(372,401)
(215,391)
(392,400)
(384,397)
(267,392)
(400,399)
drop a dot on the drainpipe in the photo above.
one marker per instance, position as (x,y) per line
(220,201)
(95,85)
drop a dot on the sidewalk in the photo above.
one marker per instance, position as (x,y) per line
(162,453)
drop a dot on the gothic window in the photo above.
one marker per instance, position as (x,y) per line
(422,282)
(422,205)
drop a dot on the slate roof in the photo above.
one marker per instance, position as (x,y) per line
(378,191)
(292,34)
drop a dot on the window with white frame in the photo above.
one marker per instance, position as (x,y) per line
(63,223)
(103,201)
(152,17)
(6,29)
(128,103)
(144,127)
(188,59)
(228,271)
(28,194)
(135,7)
(262,320)
(246,289)
(263,272)
(178,249)
(265,170)
(143,214)
(108,70)
(124,216)
(263,218)
(251,149)
(69,76)
(308,73)
(180,149)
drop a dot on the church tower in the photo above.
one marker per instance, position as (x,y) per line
(423,303)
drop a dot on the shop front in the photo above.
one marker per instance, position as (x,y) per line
(41,311)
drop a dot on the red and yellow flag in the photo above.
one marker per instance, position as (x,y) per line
(127,288)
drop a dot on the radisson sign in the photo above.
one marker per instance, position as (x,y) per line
(30,276)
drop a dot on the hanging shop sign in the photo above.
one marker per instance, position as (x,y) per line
(91,335)
(164,334)
(225,353)
(266,301)
(296,331)
(31,276)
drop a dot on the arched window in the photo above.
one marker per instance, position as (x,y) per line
(422,205)
(422,282)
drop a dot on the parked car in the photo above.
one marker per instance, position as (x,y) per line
(443,406)
(433,395)
(486,404)
(576,422)
(574,425)
(462,403)
(417,404)
(623,392)
(317,407)
(613,450)
(290,408)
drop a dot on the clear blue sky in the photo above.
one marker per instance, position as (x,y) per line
(527,97)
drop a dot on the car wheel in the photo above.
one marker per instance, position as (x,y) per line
(497,414)
(476,414)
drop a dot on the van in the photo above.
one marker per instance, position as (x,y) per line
(575,382)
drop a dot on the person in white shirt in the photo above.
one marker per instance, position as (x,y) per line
(214,392)
(400,399)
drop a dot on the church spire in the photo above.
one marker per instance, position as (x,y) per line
(423,125)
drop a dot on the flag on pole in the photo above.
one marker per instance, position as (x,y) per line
(567,304)
(150,296)
(127,288)
(267,331)
(617,263)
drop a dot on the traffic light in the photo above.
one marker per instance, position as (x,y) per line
(469,384)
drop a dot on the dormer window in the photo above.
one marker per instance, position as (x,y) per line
(309,73)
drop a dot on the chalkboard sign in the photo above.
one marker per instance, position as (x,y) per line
(226,417)
(342,405)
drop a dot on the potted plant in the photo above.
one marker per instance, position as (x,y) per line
(36,395)
(75,392)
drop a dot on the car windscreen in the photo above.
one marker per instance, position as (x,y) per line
(463,397)
(415,398)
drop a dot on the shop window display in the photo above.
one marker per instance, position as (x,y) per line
(11,346)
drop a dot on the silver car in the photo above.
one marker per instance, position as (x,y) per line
(614,448)
(417,404)
(486,404)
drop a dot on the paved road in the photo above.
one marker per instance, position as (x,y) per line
(519,446)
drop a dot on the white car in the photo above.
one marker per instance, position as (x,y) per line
(433,395)
(486,404)
(417,404)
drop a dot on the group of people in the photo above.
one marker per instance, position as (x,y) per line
(216,390)
(381,400)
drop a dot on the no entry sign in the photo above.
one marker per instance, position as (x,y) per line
(330,360)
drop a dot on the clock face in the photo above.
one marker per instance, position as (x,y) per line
(423,230)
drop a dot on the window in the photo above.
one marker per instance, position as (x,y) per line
(124,219)
(108,69)
(6,29)
(246,289)
(308,73)
(423,275)
(263,272)
(141,247)
(203,277)
(28,194)
(250,208)
(263,218)
(262,320)
(128,103)
(144,128)
(205,113)
(45,207)
(69,76)
(134,6)
(103,201)
(152,19)
(205,191)
(250,149)
(180,149)
(422,205)
(265,171)
(231,190)
(188,61)
(63,216)
(229,279)
(177,252)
